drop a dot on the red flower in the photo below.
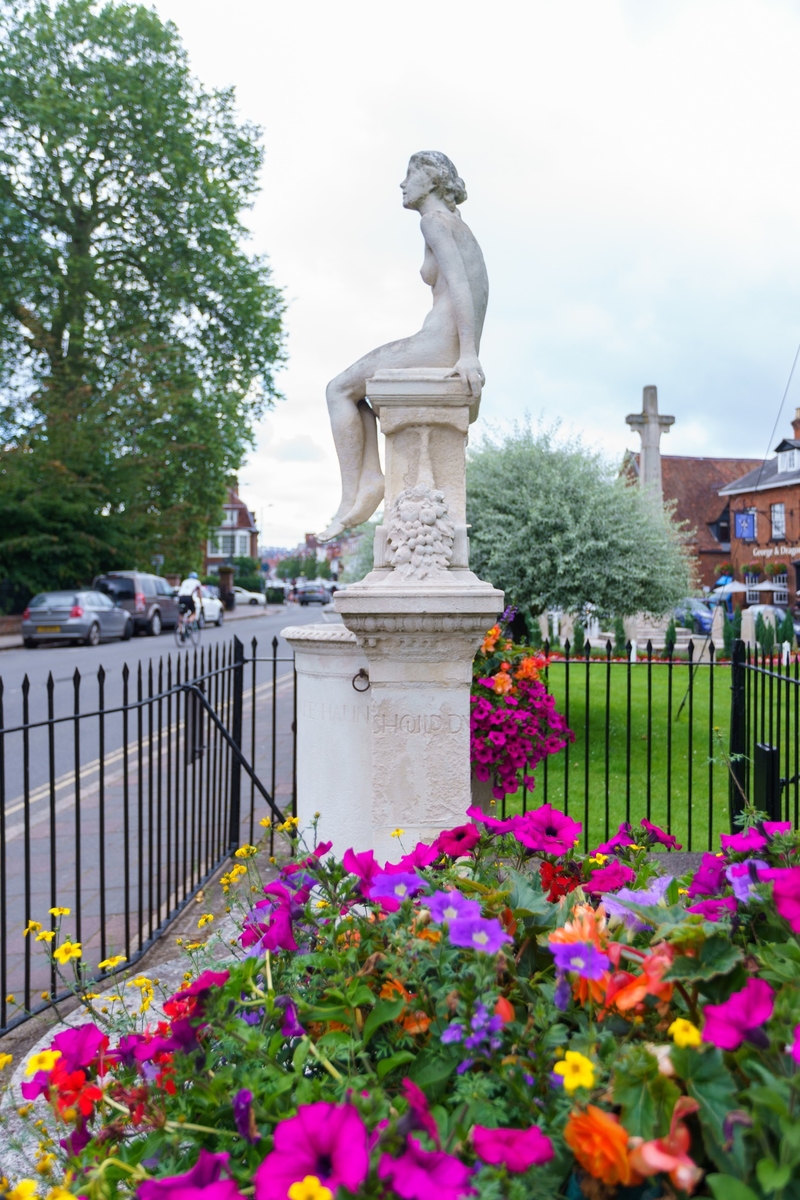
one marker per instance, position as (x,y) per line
(557,881)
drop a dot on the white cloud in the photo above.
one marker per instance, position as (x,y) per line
(634,183)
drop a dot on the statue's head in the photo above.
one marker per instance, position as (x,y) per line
(443,179)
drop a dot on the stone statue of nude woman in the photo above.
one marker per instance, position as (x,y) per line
(454,269)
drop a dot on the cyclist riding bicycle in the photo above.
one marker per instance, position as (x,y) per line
(190,597)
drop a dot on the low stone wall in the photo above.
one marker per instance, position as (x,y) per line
(9,625)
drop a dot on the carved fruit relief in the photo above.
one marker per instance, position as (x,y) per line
(420,535)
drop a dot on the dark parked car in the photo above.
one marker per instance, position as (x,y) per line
(148,598)
(87,617)
(311,594)
(694,614)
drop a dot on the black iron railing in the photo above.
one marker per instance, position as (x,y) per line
(120,798)
(765,732)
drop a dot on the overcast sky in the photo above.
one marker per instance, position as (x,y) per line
(633,170)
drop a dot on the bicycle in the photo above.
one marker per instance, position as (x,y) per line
(187,629)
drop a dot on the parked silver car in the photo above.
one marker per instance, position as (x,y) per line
(85,617)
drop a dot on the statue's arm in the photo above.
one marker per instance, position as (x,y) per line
(450,262)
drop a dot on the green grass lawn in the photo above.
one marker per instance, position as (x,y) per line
(668,775)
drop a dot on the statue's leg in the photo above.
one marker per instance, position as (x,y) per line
(347,428)
(371,483)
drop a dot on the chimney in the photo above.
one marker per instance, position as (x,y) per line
(796,423)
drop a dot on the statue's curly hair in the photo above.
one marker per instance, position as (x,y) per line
(449,184)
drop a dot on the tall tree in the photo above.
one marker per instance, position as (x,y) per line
(555,526)
(138,338)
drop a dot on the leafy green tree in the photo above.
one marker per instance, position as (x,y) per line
(555,526)
(138,338)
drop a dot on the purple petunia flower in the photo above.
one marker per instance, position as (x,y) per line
(396,887)
(244,1117)
(743,876)
(563,992)
(478,933)
(451,906)
(291,1027)
(581,958)
(740,1017)
(616,905)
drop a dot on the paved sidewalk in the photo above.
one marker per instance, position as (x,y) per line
(13,641)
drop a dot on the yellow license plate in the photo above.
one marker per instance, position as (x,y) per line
(48,629)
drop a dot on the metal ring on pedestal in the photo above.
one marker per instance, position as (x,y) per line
(362,675)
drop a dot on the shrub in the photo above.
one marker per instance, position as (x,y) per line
(765,634)
(620,638)
(670,638)
(579,641)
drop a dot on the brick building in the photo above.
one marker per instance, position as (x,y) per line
(765,523)
(235,537)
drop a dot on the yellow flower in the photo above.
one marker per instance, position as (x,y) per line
(45,995)
(11,998)
(206,919)
(59,912)
(110,964)
(60,1193)
(598,859)
(145,991)
(46,1163)
(92,996)
(288,825)
(5,1059)
(46,935)
(32,927)
(310,1188)
(323,904)
(25,1189)
(246,851)
(683,891)
(398,833)
(633,846)
(66,951)
(684,1033)
(576,1071)
(45,1060)
(195,945)
(237,871)
(265,822)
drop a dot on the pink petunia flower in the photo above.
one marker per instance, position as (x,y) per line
(709,878)
(458,841)
(771,828)
(741,1016)
(328,1141)
(715,908)
(79,1046)
(515,1149)
(794,1049)
(743,843)
(362,865)
(547,830)
(420,1114)
(478,933)
(424,1174)
(660,835)
(786,893)
(492,823)
(608,879)
(418,859)
(623,837)
(202,1182)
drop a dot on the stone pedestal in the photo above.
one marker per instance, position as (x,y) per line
(419,616)
(334,773)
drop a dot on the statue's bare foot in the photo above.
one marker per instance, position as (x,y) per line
(336,527)
(371,491)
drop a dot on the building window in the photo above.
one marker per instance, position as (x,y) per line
(229,516)
(751,595)
(787,461)
(778,515)
(781,593)
(745,525)
(244,545)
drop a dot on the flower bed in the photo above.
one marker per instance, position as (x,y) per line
(469,1020)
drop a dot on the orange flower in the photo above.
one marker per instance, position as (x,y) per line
(624,990)
(502,683)
(413,1021)
(587,925)
(490,640)
(600,1144)
(505,1009)
(531,667)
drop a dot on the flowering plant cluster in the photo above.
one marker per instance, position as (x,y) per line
(493,1015)
(513,720)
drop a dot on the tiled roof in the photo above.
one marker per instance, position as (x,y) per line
(764,476)
(694,484)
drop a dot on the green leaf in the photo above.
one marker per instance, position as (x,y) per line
(328,1012)
(647,1097)
(387,1065)
(383,1012)
(771,1176)
(709,1082)
(728,1187)
(432,1069)
(526,898)
(718,956)
(300,1055)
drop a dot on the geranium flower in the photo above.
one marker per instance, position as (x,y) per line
(608,879)
(424,1174)
(458,841)
(669,1155)
(328,1141)
(654,894)
(709,878)
(740,1017)
(625,991)
(623,837)
(451,906)
(559,881)
(715,908)
(516,1149)
(493,823)
(743,876)
(600,1144)
(203,1182)
(79,1046)
(576,1070)
(743,843)
(397,887)
(479,933)
(786,893)
(244,1117)
(660,835)
(580,958)
(547,830)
